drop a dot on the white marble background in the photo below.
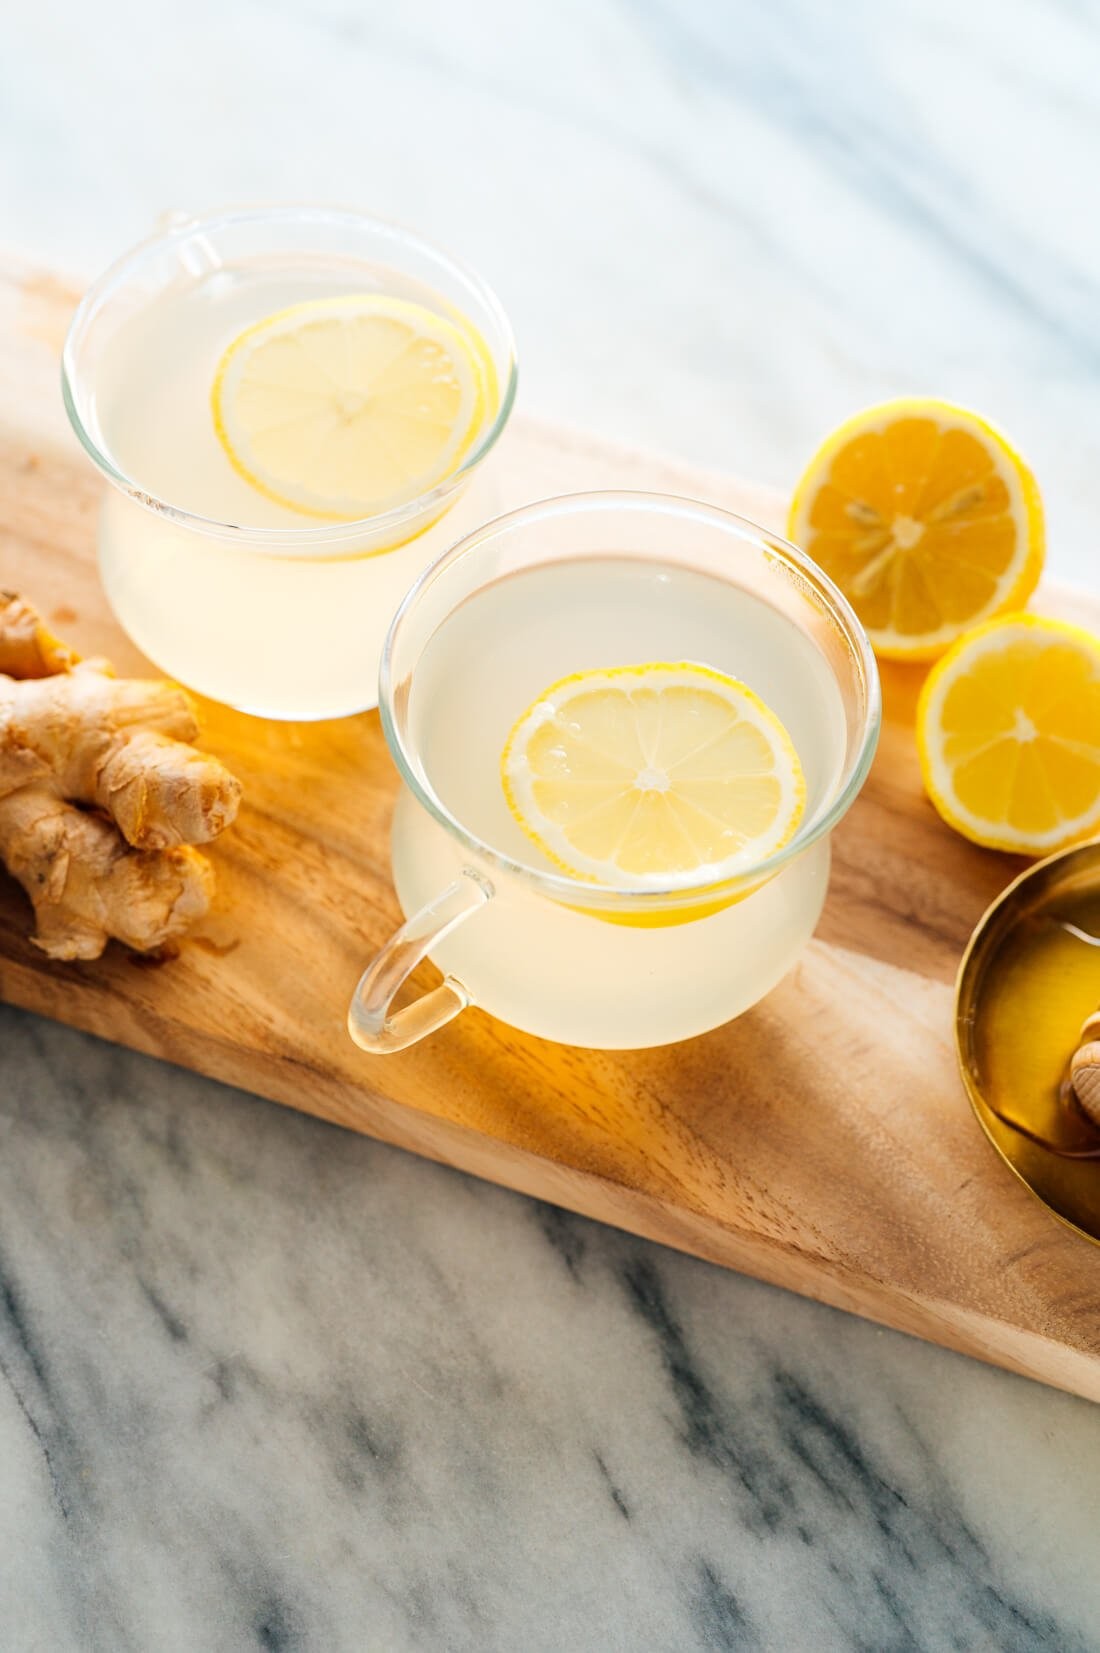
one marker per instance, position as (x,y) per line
(266,1385)
(719,226)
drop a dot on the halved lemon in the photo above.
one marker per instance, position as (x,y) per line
(348,407)
(652,775)
(1008,730)
(926,518)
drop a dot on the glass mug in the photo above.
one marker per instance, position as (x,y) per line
(585,583)
(248,601)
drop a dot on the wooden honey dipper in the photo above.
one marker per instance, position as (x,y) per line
(1084,1068)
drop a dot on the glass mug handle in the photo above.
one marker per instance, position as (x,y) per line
(370,1022)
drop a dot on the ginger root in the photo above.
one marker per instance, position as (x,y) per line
(102,796)
(27,648)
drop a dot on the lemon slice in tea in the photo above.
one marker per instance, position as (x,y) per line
(348,407)
(653,775)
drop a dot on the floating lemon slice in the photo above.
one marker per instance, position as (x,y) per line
(1008,729)
(348,407)
(926,518)
(650,776)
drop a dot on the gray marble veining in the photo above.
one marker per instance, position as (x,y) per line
(263,1384)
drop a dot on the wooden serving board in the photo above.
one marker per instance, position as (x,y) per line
(823,1142)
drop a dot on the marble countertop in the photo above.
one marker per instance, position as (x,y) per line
(265,1384)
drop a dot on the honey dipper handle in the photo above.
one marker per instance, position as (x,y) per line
(1085,1076)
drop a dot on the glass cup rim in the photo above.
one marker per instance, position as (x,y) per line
(560,886)
(279,540)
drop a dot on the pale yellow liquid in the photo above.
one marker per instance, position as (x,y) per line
(292,636)
(541,965)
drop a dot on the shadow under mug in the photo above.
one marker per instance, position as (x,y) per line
(556,956)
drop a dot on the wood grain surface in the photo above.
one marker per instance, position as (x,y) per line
(823,1142)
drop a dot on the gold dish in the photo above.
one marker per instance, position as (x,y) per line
(1028,979)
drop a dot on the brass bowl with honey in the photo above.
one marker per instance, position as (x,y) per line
(1028,980)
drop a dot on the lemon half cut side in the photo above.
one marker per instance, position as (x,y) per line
(1008,731)
(928,520)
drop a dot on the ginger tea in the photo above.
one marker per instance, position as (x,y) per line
(557,969)
(290,401)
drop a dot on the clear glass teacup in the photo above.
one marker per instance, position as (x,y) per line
(237,593)
(578,585)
